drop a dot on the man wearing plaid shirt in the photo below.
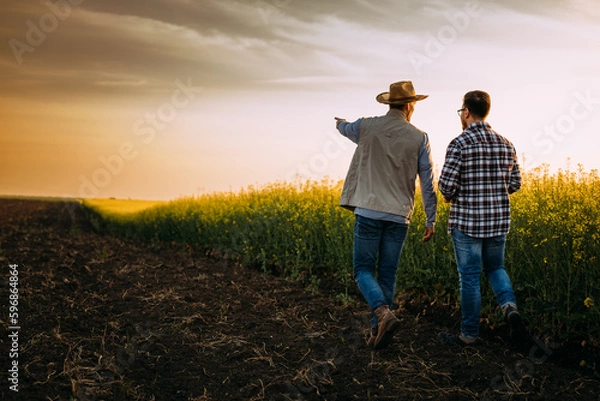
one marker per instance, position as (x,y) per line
(479,173)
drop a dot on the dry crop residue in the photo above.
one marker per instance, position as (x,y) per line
(105,318)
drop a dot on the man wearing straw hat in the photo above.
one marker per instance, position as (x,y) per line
(380,189)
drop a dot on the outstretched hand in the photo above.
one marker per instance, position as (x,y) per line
(429,231)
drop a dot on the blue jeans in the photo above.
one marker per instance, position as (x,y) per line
(377,248)
(471,255)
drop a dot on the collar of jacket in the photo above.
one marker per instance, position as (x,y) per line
(396,113)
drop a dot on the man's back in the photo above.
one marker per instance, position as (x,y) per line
(385,165)
(481,170)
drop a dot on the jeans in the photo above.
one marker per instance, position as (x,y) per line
(377,248)
(471,255)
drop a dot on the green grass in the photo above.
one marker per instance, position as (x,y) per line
(299,231)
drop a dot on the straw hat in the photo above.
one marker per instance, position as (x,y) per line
(400,93)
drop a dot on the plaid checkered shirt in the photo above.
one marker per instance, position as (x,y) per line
(479,173)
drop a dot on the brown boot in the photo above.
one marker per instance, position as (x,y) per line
(387,323)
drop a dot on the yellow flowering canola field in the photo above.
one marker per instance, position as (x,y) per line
(299,231)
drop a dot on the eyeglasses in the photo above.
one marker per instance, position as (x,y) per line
(459,111)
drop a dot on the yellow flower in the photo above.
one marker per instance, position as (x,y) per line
(588,302)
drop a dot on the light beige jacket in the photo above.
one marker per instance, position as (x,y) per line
(384,167)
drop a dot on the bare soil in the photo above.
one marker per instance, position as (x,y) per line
(106,318)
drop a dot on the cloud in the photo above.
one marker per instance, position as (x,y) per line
(137,48)
(554,9)
(144,45)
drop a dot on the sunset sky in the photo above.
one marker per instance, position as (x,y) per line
(157,99)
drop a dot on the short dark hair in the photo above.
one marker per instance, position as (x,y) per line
(478,103)
(397,106)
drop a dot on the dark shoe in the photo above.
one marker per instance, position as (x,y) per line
(387,323)
(518,332)
(455,341)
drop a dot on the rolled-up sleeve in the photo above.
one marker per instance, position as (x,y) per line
(349,130)
(426,181)
(514,183)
